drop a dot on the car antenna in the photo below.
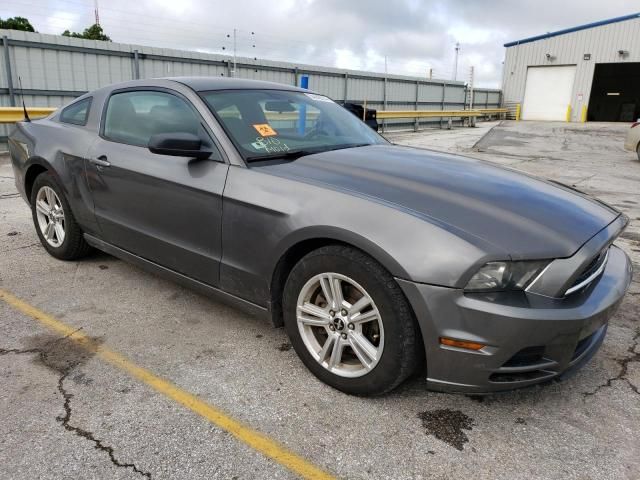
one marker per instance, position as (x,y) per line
(24,107)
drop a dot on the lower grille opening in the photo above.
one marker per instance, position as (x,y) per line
(526,356)
(519,376)
(582,346)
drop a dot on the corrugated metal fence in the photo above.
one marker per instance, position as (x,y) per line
(55,69)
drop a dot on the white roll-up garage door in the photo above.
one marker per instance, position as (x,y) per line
(548,92)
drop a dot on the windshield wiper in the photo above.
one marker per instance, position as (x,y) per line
(295,154)
(290,155)
(347,145)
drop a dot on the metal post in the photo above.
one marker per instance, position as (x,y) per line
(455,63)
(346,86)
(471,90)
(444,91)
(384,101)
(296,78)
(7,64)
(416,123)
(472,120)
(302,119)
(234,52)
(229,74)
(136,64)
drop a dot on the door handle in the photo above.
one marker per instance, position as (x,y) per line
(100,161)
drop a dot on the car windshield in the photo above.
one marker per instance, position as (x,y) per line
(267,124)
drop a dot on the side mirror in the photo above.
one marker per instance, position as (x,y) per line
(178,145)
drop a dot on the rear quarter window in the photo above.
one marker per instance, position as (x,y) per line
(76,113)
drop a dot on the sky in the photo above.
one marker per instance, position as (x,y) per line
(413,36)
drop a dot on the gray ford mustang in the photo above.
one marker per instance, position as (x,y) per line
(381,261)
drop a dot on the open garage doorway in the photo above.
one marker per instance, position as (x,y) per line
(615,95)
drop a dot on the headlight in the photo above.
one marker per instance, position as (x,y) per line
(500,276)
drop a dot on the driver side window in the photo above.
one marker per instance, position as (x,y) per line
(133,117)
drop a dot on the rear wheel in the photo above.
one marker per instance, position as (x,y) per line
(57,229)
(349,321)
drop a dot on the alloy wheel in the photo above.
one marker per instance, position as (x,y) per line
(50,215)
(340,324)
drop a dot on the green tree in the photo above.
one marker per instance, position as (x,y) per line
(94,32)
(17,23)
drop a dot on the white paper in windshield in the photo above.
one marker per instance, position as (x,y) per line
(319,98)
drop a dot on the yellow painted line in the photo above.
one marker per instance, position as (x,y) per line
(256,440)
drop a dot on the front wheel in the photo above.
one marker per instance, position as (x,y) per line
(349,322)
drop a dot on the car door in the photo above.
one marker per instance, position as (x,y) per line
(166,209)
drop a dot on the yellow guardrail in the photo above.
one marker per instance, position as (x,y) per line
(16,114)
(477,112)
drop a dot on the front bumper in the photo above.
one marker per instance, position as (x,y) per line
(631,141)
(530,339)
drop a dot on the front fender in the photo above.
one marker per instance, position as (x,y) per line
(265,215)
(339,235)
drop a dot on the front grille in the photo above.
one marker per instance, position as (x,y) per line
(589,270)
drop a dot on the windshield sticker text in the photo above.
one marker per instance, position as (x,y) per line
(270,145)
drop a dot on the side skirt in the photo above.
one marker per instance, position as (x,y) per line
(203,288)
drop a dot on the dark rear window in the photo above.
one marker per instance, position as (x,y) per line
(76,113)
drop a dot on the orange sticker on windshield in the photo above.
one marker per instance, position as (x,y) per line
(265,130)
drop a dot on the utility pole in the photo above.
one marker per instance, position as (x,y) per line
(431,74)
(234,51)
(472,120)
(385,64)
(471,90)
(455,63)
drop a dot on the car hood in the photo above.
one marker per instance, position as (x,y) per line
(524,216)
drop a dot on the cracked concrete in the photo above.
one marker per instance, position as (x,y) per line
(236,362)
(99,445)
(63,356)
(634,356)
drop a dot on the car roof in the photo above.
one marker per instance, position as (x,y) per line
(200,84)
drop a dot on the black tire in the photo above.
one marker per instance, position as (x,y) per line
(402,352)
(74,245)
